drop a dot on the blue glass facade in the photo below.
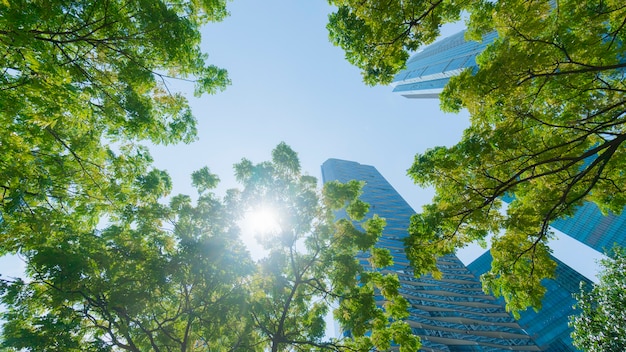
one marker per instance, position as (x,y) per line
(451,314)
(590,227)
(548,327)
(429,70)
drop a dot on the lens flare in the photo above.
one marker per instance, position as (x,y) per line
(257,224)
(262,221)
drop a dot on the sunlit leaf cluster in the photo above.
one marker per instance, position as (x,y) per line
(377,36)
(600,324)
(81,83)
(312,264)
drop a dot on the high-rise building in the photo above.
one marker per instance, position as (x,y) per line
(451,314)
(429,70)
(549,326)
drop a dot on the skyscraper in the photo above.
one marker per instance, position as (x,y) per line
(549,326)
(429,70)
(452,314)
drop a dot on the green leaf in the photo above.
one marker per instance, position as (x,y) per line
(599,322)
(204,180)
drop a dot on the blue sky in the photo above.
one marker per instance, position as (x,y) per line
(289,83)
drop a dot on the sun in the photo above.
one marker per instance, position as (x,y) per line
(262,221)
(258,223)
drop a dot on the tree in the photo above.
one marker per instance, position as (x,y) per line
(158,278)
(312,264)
(176,277)
(377,35)
(547,132)
(600,324)
(82,83)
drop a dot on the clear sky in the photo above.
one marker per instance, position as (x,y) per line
(289,83)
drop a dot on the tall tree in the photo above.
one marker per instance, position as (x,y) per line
(176,277)
(600,324)
(312,265)
(158,278)
(81,84)
(547,125)
(548,114)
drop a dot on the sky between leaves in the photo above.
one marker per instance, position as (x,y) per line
(290,84)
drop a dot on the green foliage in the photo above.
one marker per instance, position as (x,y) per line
(377,35)
(548,131)
(285,159)
(81,84)
(547,124)
(357,209)
(336,194)
(381,257)
(312,263)
(135,285)
(177,277)
(600,324)
(204,180)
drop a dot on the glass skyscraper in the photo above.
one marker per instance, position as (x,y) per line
(449,315)
(429,70)
(548,327)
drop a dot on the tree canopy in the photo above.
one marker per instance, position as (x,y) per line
(157,278)
(312,266)
(377,36)
(547,127)
(600,324)
(82,83)
(177,277)
(547,132)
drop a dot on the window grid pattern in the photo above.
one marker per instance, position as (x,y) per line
(548,327)
(430,69)
(590,227)
(452,314)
